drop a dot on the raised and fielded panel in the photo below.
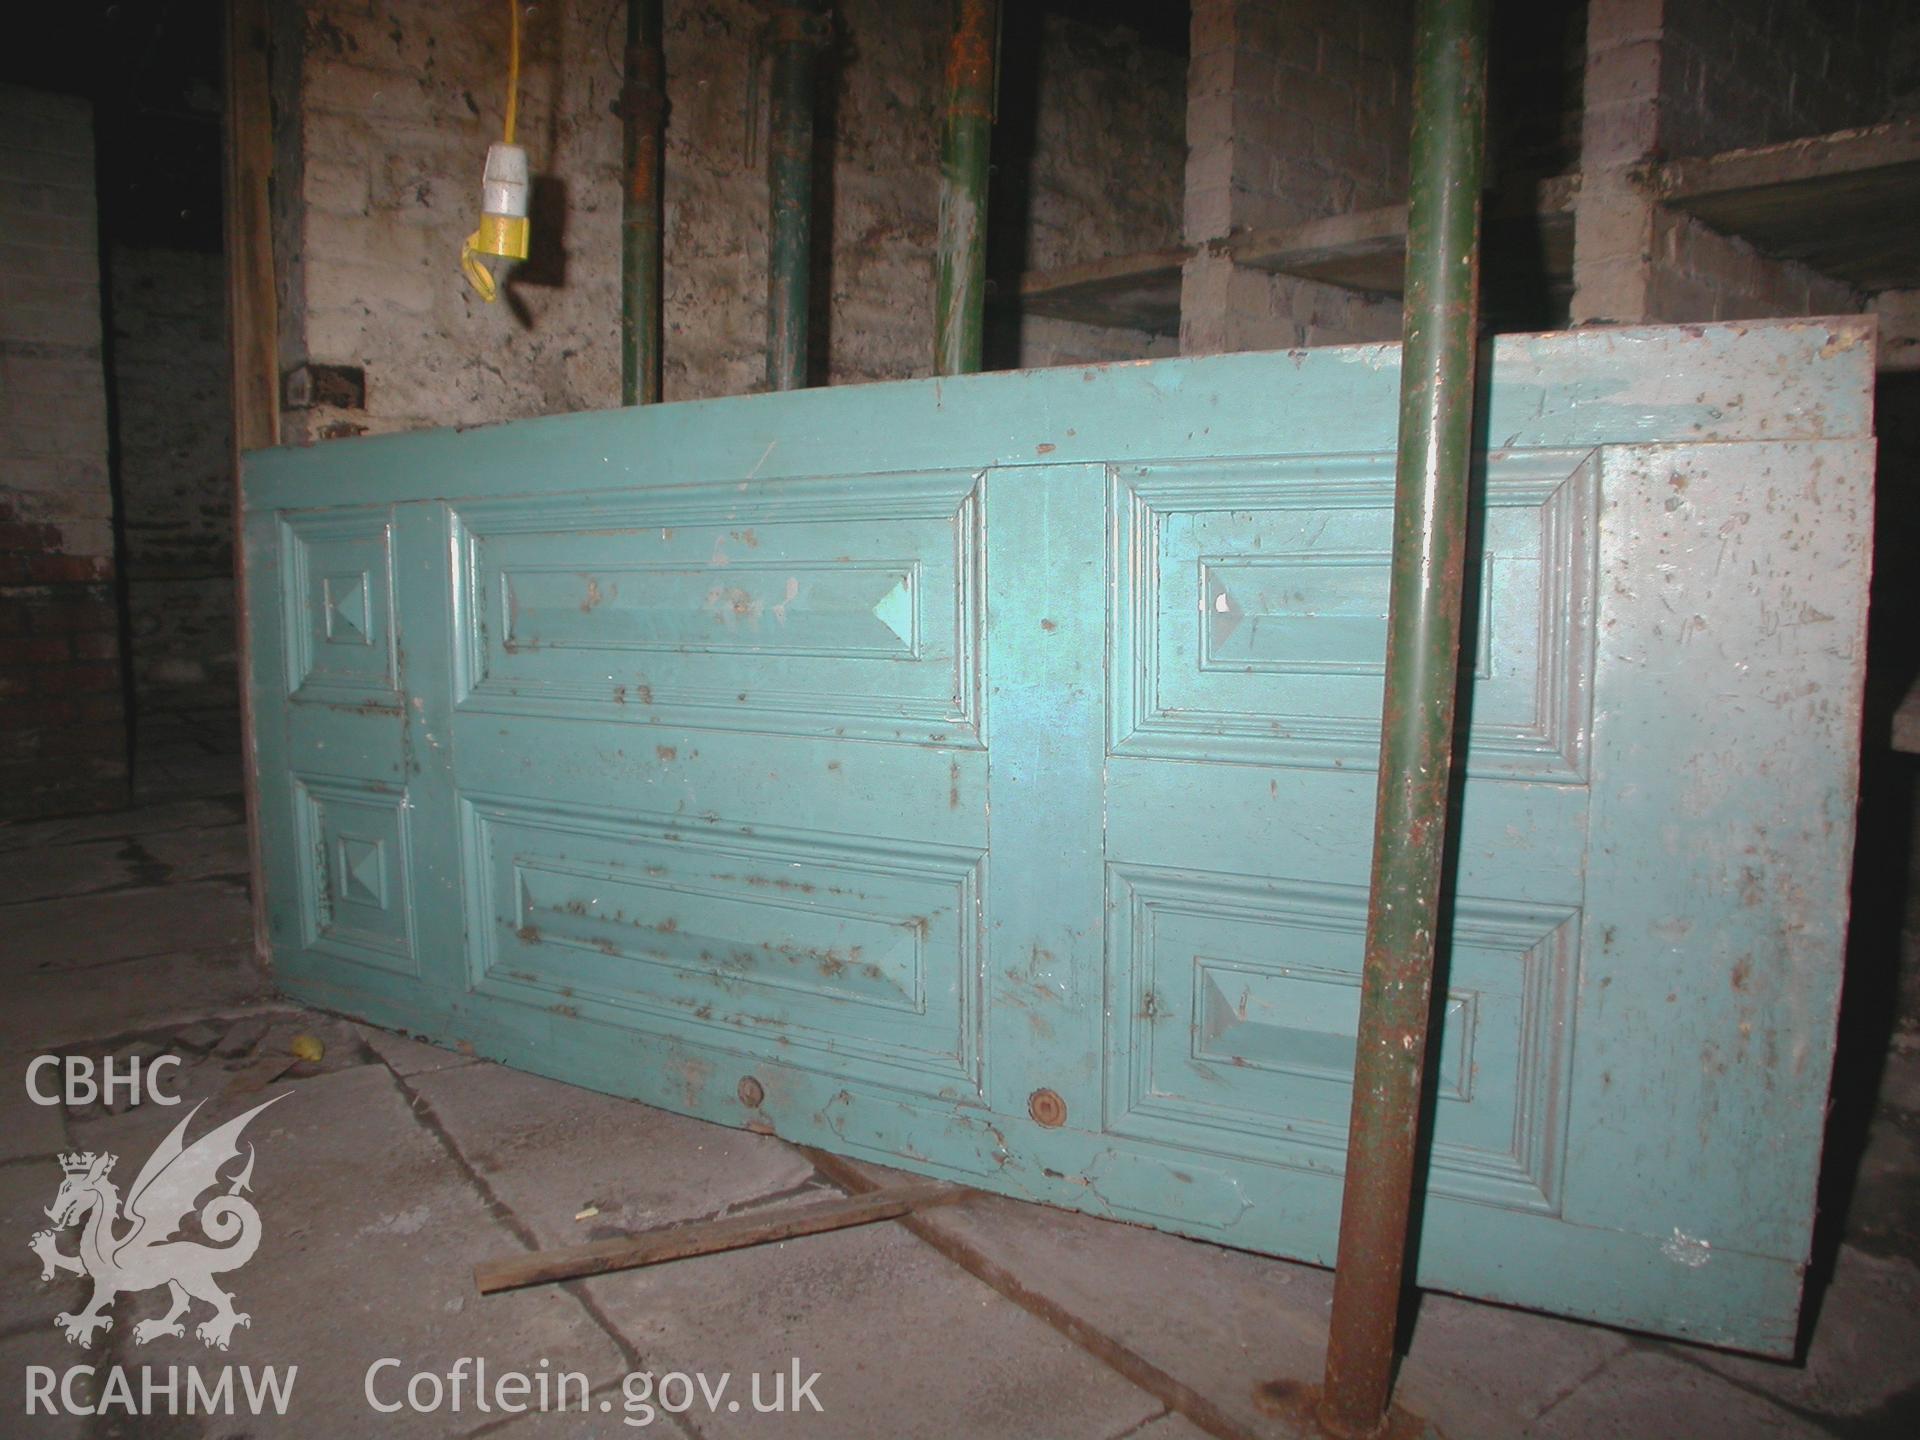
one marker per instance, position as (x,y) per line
(985,768)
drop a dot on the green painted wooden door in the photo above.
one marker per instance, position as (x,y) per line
(977,775)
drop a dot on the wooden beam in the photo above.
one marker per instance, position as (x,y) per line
(253,348)
(253,329)
(710,1237)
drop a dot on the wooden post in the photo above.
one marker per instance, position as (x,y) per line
(254,348)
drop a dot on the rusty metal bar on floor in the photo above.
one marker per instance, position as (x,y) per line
(1417,716)
(797,32)
(1107,1348)
(643,110)
(960,275)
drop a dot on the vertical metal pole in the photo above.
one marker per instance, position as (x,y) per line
(643,106)
(960,278)
(796,32)
(1416,738)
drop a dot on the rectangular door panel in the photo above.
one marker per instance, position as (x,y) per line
(337,607)
(834,607)
(1244,1000)
(857,953)
(356,888)
(1250,614)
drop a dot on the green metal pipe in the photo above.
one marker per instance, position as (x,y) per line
(960,276)
(643,109)
(796,33)
(1416,738)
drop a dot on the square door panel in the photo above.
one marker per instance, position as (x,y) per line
(338,578)
(1250,613)
(827,950)
(1242,999)
(354,898)
(811,607)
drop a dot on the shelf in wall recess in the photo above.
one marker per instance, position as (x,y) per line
(1529,227)
(1843,203)
(1129,292)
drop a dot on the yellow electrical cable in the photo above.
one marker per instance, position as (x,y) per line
(477,274)
(513,69)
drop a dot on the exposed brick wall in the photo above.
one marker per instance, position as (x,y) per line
(1105,176)
(1613,242)
(62,719)
(1108,172)
(1296,109)
(1677,76)
(1749,72)
(1700,274)
(383,135)
(286,188)
(171,375)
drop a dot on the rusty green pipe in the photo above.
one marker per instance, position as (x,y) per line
(1417,718)
(960,275)
(796,33)
(643,109)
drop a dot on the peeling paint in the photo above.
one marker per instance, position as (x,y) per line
(1685,1249)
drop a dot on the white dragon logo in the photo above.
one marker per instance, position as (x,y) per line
(146,1255)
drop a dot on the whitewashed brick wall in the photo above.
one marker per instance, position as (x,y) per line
(1296,109)
(396,100)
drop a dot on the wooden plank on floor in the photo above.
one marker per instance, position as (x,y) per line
(710,1237)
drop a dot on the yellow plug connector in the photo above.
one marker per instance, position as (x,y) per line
(503,189)
(503,217)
